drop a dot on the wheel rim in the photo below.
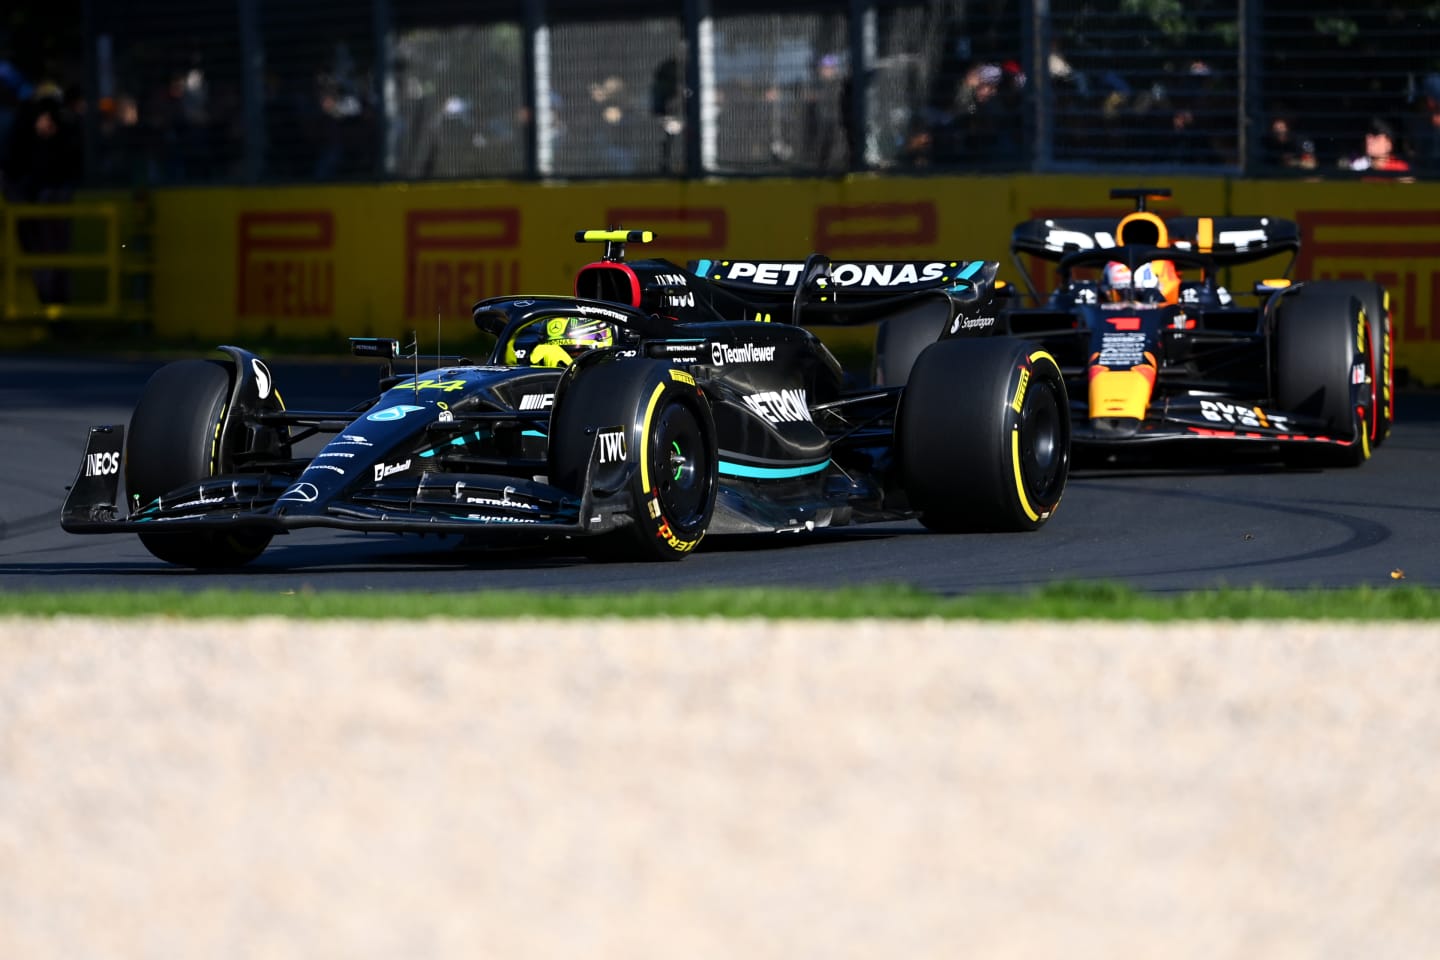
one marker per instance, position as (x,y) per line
(1042,456)
(679,462)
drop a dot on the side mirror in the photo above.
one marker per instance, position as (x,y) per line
(1273,285)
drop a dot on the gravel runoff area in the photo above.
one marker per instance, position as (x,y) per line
(718,789)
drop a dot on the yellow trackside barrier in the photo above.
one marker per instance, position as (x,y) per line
(86,279)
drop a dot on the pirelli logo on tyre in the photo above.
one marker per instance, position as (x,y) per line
(664,532)
(1019,402)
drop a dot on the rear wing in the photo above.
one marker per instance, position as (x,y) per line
(845,291)
(1223,241)
(1228,240)
(868,278)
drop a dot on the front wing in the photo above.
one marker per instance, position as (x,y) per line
(1214,419)
(474,505)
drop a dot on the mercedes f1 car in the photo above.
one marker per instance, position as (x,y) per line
(654,406)
(1149,358)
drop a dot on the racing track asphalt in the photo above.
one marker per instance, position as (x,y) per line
(1157,527)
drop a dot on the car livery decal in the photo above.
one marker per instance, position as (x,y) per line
(730,468)
(860,273)
(1018,404)
(397,412)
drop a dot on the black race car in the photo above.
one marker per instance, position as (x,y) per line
(1155,350)
(652,407)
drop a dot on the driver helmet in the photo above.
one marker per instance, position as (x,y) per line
(567,337)
(1115,280)
(1155,280)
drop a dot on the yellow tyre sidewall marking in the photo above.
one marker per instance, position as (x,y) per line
(1018,405)
(645,438)
(1019,476)
(215,441)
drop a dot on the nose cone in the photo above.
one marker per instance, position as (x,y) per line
(1120,394)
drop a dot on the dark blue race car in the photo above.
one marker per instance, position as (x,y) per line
(657,404)
(1156,352)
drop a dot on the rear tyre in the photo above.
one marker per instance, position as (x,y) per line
(1376,302)
(174,440)
(984,435)
(898,342)
(667,467)
(1320,336)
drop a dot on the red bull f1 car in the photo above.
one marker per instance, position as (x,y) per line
(650,408)
(1154,350)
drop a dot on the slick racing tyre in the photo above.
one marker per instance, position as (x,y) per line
(1321,337)
(651,435)
(898,341)
(1376,301)
(174,439)
(984,435)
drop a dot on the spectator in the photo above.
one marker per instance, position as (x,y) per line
(179,114)
(1062,74)
(918,150)
(338,126)
(968,125)
(1198,118)
(451,142)
(43,163)
(608,126)
(13,92)
(1380,155)
(1425,127)
(825,120)
(123,156)
(1283,147)
(667,105)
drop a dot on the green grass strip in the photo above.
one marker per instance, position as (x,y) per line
(1063,601)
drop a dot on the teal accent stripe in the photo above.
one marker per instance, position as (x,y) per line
(729,469)
(971,270)
(457,442)
(702,267)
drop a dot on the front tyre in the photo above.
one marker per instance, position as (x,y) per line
(174,440)
(1376,303)
(1321,338)
(650,432)
(984,435)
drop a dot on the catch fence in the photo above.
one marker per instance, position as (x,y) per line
(273,91)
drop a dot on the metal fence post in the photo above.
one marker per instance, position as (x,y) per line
(861,30)
(534,31)
(1251,81)
(252,82)
(695,12)
(1035,28)
(381,26)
